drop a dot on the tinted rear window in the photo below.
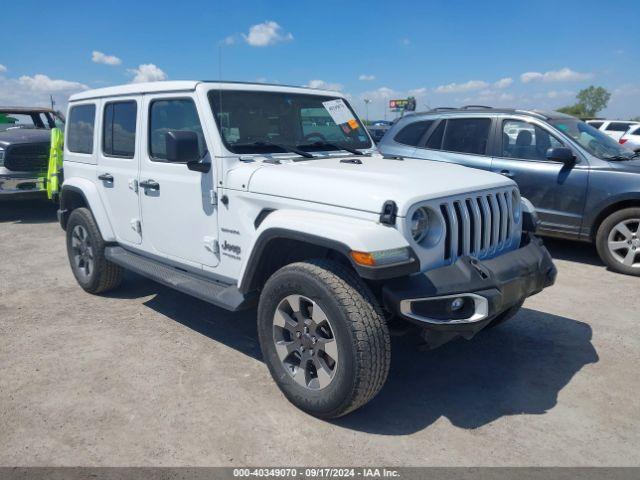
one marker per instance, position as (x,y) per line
(412,133)
(435,139)
(81,123)
(467,135)
(618,127)
(119,129)
(595,124)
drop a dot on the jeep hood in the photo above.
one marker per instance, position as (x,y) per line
(366,186)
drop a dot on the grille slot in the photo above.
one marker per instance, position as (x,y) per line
(481,225)
(32,157)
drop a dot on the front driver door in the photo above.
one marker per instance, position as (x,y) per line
(179,218)
(556,190)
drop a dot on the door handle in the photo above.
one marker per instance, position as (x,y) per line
(106,177)
(150,185)
(506,173)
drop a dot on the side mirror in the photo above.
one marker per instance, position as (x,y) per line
(182,146)
(561,154)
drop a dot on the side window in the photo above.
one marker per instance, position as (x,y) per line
(635,132)
(81,123)
(119,129)
(467,135)
(435,139)
(617,127)
(595,124)
(526,141)
(412,133)
(171,115)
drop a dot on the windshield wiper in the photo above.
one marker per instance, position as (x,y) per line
(336,146)
(286,148)
(619,157)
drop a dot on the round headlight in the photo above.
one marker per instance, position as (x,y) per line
(419,224)
(515,205)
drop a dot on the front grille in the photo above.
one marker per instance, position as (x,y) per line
(481,225)
(32,157)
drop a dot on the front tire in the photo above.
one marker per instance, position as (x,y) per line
(85,249)
(618,241)
(323,337)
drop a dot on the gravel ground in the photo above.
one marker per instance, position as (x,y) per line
(149,376)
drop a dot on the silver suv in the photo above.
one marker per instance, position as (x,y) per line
(584,185)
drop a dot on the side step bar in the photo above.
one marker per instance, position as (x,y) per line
(220,294)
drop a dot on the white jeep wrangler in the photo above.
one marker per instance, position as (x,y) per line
(244,195)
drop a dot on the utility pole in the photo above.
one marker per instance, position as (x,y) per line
(53,103)
(367,101)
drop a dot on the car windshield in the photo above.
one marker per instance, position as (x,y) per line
(591,139)
(13,120)
(274,122)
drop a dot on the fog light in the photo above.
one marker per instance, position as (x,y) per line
(457,304)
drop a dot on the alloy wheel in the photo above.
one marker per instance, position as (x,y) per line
(305,342)
(82,251)
(624,242)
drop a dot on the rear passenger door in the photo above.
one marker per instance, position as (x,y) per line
(118,165)
(461,140)
(557,190)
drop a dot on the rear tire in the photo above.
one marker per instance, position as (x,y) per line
(618,241)
(85,249)
(347,364)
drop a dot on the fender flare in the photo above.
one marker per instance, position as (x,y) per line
(89,192)
(334,232)
(595,212)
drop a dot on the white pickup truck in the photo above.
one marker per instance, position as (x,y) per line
(244,194)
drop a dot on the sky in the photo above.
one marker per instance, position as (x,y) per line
(525,54)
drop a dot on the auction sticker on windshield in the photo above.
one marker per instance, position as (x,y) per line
(340,113)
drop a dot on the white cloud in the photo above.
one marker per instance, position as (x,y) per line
(462,87)
(230,40)
(503,82)
(265,34)
(382,93)
(35,91)
(321,84)
(42,83)
(366,78)
(2,68)
(99,57)
(147,72)
(562,75)
(417,92)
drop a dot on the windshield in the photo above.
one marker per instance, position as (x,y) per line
(264,122)
(12,120)
(591,139)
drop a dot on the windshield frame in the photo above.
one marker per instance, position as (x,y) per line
(272,149)
(594,132)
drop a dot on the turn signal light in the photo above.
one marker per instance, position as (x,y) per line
(381,257)
(363,258)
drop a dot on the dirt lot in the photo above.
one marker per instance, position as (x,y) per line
(149,376)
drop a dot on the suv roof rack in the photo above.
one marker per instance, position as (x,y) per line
(440,109)
(469,107)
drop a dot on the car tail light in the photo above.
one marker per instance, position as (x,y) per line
(622,141)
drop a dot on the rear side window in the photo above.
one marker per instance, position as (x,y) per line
(635,132)
(119,129)
(467,135)
(81,123)
(412,133)
(595,124)
(172,115)
(435,139)
(618,127)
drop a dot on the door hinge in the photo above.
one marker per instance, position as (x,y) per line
(136,225)
(212,245)
(213,197)
(133,184)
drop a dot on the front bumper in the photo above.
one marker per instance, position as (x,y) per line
(21,182)
(486,288)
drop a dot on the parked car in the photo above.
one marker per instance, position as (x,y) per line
(25,139)
(583,184)
(377,131)
(631,138)
(614,128)
(225,192)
